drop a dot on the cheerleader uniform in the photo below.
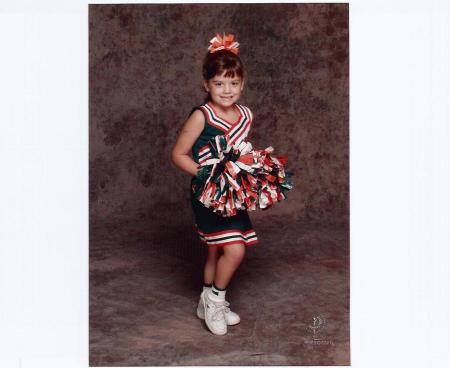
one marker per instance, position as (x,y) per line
(213,229)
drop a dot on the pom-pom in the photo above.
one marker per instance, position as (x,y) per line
(241,178)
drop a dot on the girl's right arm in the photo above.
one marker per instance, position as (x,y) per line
(191,131)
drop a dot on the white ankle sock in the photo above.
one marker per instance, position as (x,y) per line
(206,287)
(216,294)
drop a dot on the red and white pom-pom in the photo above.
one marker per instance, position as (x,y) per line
(256,179)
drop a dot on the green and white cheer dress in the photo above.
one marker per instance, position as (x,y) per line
(214,229)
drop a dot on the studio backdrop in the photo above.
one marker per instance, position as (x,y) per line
(144,79)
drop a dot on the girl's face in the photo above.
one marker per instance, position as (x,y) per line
(224,91)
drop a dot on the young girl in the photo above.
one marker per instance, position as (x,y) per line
(226,237)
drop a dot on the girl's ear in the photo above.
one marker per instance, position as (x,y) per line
(242,85)
(205,85)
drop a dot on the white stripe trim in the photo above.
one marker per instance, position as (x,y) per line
(234,233)
(243,122)
(246,129)
(213,117)
(245,126)
(250,114)
(230,240)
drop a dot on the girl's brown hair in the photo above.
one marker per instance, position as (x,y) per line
(221,61)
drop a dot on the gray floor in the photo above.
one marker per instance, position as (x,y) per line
(291,291)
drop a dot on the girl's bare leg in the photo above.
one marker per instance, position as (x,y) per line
(209,272)
(228,263)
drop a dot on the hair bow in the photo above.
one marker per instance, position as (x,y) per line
(226,42)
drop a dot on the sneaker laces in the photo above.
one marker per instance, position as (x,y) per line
(227,304)
(220,307)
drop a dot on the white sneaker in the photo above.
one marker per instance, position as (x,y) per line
(231,318)
(214,314)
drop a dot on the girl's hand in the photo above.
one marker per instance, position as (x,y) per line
(191,130)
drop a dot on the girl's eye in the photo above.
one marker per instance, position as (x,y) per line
(220,83)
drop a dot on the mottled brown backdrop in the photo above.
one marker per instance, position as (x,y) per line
(146,263)
(145,76)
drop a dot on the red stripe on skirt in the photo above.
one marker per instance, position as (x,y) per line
(239,241)
(225,232)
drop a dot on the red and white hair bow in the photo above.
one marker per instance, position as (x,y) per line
(223,43)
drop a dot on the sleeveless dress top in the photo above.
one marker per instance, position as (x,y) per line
(213,229)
